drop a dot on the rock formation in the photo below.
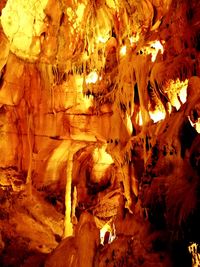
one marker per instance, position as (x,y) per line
(99,133)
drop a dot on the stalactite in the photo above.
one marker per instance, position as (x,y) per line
(127,190)
(141,79)
(30,148)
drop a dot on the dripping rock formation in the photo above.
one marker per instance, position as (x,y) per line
(99,133)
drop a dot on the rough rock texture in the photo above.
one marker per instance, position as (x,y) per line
(99,133)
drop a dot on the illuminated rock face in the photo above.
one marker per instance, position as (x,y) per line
(99,125)
(22,23)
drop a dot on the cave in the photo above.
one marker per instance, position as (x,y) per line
(99,133)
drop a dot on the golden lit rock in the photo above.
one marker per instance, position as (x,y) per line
(157,115)
(99,133)
(23,24)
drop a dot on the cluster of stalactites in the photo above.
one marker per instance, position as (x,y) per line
(102,44)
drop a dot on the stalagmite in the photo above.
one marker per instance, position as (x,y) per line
(68,231)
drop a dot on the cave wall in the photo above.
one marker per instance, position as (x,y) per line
(99,124)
